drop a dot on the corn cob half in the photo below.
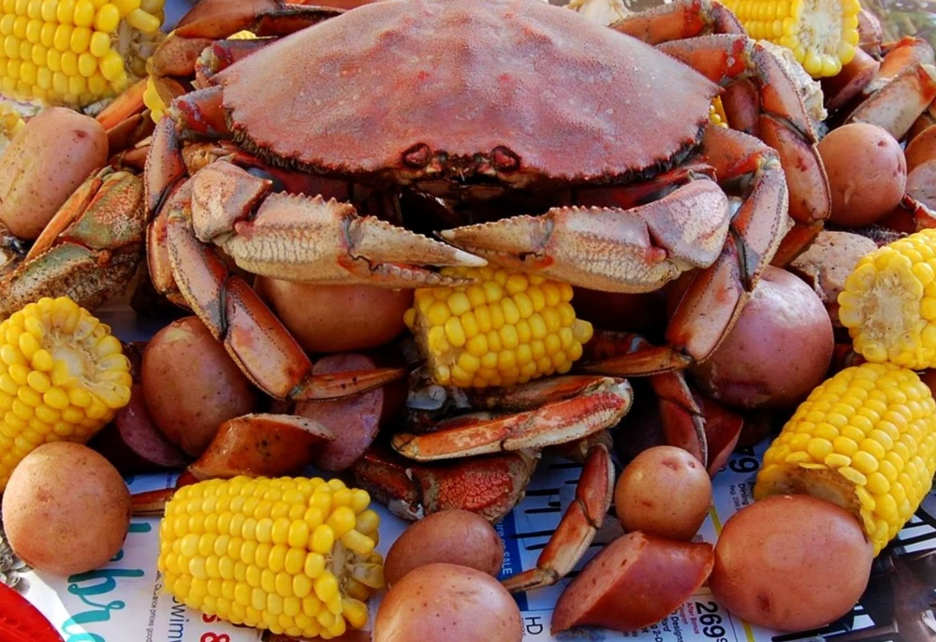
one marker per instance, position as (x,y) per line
(822,34)
(290,555)
(506,328)
(888,302)
(75,52)
(62,377)
(865,440)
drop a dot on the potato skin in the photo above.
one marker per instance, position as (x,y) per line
(191,385)
(778,351)
(439,602)
(664,491)
(867,173)
(47,161)
(451,536)
(66,509)
(337,318)
(776,551)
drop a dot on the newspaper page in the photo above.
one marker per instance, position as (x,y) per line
(124,601)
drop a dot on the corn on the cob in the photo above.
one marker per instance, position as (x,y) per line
(822,34)
(291,555)
(717,113)
(865,440)
(506,328)
(62,377)
(888,303)
(75,52)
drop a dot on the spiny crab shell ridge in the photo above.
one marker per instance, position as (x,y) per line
(511,92)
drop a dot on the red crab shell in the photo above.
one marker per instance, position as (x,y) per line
(515,91)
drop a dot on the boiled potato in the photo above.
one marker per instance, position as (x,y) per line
(337,318)
(439,602)
(777,352)
(664,491)
(66,509)
(47,161)
(867,173)
(452,536)
(791,562)
(921,183)
(191,385)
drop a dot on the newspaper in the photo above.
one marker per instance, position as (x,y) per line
(124,601)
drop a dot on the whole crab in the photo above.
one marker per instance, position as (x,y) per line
(483,106)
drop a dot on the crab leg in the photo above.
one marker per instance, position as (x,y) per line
(679,20)
(600,403)
(254,337)
(783,124)
(578,526)
(490,486)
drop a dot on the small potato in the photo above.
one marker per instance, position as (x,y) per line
(791,562)
(191,385)
(777,352)
(664,491)
(66,510)
(447,602)
(56,151)
(453,536)
(867,173)
(921,184)
(337,318)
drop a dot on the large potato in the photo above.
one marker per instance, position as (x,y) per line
(664,491)
(191,385)
(337,318)
(439,602)
(452,536)
(66,510)
(56,151)
(791,562)
(867,173)
(778,351)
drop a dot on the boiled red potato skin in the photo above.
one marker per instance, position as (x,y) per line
(664,491)
(791,563)
(66,510)
(337,318)
(354,420)
(450,536)
(191,385)
(633,582)
(778,351)
(442,602)
(47,161)
(867,173)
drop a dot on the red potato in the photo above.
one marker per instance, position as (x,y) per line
(133,443)
(353,420)
(791,563)
(633,582)
(191,385)
(867,173)
(921,184)
(451,536)
(447,602)
(921,149)
(664,491)
(778,351)
(47,161)
(337,318)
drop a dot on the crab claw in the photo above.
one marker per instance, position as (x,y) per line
(309,239)
(609,248)
(600,404)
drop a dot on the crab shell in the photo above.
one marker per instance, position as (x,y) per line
(429,92)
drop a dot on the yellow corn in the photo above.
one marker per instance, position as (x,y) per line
(62,377)
(888,303)
(291,555)
(822,34)
(717,113)
(98,48)
(865,440)
(506,328)
(11,123)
